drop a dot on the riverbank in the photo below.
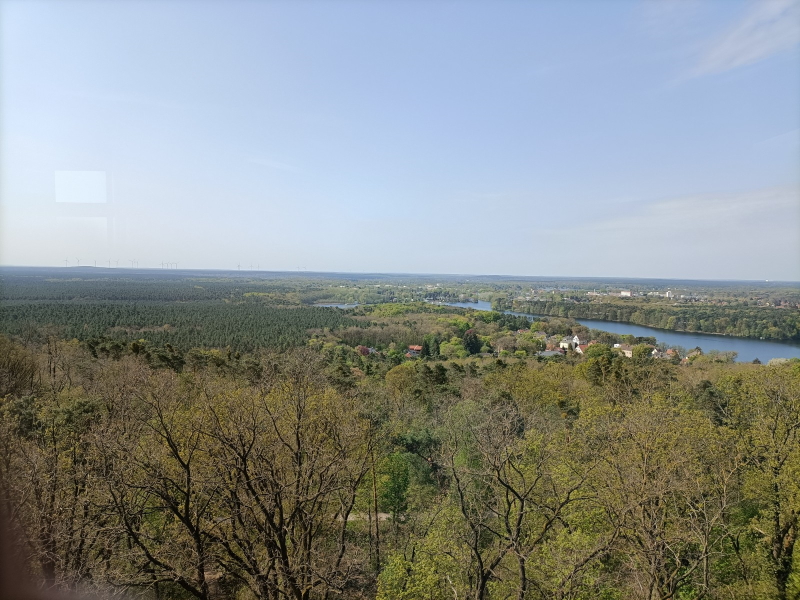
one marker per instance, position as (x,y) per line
(737,320)
(747,349)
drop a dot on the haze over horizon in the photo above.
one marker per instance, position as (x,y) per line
(255,273)
(630,139)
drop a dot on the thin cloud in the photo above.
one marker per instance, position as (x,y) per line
(745,235)
(790,138)
(770,27)
(765,208)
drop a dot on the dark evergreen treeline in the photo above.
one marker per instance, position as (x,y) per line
(754,322)
(140,289)
(242,326)
(162,287)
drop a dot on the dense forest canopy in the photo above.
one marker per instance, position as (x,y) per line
(247,310)
(219,438)
(325,472)
(244,326)
(165,284)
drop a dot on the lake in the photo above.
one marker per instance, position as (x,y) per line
(747,349)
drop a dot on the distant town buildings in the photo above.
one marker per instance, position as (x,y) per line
(630,293)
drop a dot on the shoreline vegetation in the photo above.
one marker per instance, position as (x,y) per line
(764,323)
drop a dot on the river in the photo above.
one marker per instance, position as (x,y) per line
(747,349)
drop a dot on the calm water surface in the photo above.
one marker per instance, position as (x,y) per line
(746,348)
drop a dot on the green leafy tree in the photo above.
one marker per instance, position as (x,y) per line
(600,360)
(642,352)
(471,341)
(394,485)
(666,481)
(764,410)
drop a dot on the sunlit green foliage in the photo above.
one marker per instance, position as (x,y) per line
(224,464)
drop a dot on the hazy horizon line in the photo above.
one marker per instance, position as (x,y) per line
(401,274)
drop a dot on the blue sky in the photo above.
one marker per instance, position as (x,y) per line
(577,138)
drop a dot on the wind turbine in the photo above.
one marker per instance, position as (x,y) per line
(66,262)
(79,261)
